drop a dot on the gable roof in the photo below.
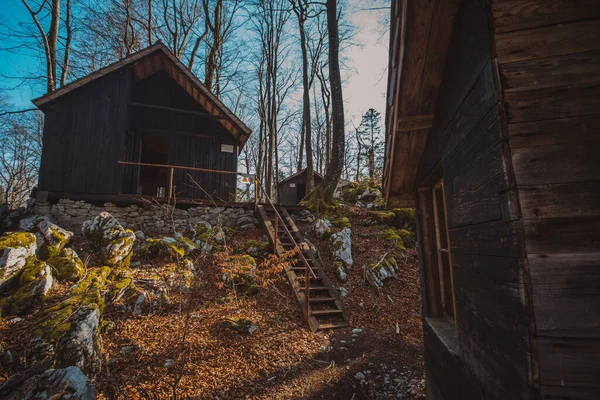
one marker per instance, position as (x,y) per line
(151,60)
(298,174)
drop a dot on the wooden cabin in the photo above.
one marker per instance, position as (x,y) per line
(292,189)
(144,126)
(493,135)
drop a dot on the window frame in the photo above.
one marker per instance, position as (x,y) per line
(434,250)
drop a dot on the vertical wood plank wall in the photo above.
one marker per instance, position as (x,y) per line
(548,57)
(83,137)
(489,355)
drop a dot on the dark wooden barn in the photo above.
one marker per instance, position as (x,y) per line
(492,134)
(145,109)
(292,189)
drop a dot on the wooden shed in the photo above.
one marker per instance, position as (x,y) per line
(139,127)
(292,189)
(493,135)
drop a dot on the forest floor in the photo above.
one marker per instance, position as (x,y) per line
(183,348)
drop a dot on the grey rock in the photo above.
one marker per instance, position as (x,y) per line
(341,245)
(13,259)
(80,346)
(65,383)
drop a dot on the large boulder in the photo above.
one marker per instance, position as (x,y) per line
(81,345)
(54,238)
(65,383)
(15,249)
(67,265)
(35,281)
(118,252)
(341,246)
(102,229)
(115,241)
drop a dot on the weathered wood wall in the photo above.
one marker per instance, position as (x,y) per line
(194,141)
(83,137)
(548,58)
(489,353)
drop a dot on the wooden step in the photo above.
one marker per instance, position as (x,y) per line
(333,325)
(321,299)
(318,313)
(314,288)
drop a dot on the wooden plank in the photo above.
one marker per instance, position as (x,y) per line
(560,392)
(557,164)
(474,144)
(562,235)
(475,107)
(418,25)
(496,238)
(499,277)
(570,69)
(581,199)
(414,123)
(565,294)
(444,17)
(553,102)
(555,131)
(512,15)
(569,362)
(555,40)
(474,195)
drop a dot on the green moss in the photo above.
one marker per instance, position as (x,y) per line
(380,217)
(67,266)
(22,300)
(343,222)
(405,218)
(96,278)
(393,235)
(239,324)
(256,248)
(57,240)
(115,256)
(17,239)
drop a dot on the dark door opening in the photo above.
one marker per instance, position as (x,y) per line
(154,181)
(300,192)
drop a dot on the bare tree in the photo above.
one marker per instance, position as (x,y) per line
(322,196)
(49,38)
(20,150)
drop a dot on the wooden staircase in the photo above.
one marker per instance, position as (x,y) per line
(323,307)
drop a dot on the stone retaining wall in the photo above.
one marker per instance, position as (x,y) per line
(71,214)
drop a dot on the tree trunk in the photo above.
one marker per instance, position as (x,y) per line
(310,182)
(321,197)
(69,30)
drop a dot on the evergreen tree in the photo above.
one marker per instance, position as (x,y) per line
(371,141)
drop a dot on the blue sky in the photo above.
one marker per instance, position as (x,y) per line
(365,80)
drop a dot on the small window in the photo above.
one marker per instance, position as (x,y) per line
(437,252)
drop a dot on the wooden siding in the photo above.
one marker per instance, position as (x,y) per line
(489,354)
(83,138)
(194,141)
(548,57)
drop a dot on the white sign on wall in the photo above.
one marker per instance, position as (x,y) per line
(292,185)
(226,148)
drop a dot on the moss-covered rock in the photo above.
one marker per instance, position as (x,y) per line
(174,249)
(377,274)
(341,223)
(394,235)
(256,248)
(15,250)
(67,266)
(405,218)
(54,239)
(241,325)
(380,218)
(35,281)
(118,252)
(340,244)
